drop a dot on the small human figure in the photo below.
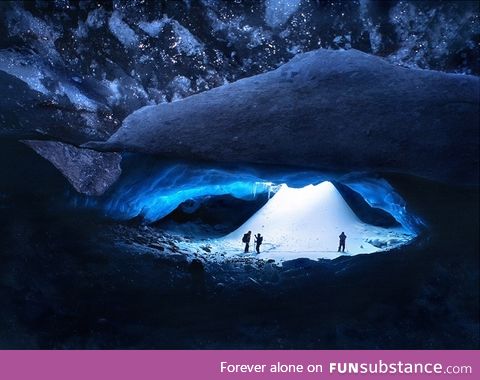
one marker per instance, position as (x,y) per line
(258,242)
(341,245)
(246,240)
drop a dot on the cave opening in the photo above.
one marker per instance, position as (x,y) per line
(300,212)
(306,223)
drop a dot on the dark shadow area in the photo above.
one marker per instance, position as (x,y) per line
(365,212)
(212,216)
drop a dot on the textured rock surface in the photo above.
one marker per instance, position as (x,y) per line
(26,113)
(334,110)
(89,172)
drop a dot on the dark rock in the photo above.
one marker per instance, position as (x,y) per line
(343,110)
(90,172)
(270,273)
(214,214)
(206,248)
(301,263)
(157,246)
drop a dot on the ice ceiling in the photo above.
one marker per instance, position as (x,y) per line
(96,62)
(152,189)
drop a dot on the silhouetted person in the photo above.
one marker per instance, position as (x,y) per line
(246,240)
(258,242)
(341,245)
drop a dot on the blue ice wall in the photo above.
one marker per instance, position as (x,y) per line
(378,193)
(152,189)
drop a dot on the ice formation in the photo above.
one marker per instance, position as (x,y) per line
(278,12)
(351,112)
(306,222)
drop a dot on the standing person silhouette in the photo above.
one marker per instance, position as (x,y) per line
(342,238)
(246,240)
(258,242)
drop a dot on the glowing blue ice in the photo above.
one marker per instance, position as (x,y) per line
(379,193)
(153,189)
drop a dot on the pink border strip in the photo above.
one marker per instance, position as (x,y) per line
(205,365)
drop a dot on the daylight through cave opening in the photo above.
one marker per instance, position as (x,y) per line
(298,212)
(300,222)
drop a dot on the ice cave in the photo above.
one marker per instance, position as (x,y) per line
(140,141)
(300,213)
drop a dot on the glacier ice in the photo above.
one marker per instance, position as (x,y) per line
(25,68)
(76,97)
(122,31)
(186,41)
(22,23)
(350,112)
(82,85)
(379,193)
(277,12)
(96,18)
(153,28)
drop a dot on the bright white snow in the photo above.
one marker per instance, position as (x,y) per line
(306,223)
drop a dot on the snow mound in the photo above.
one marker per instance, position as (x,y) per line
(306,222)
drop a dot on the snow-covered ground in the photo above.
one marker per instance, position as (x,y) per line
(306,223)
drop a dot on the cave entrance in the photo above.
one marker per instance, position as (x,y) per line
(306,222)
